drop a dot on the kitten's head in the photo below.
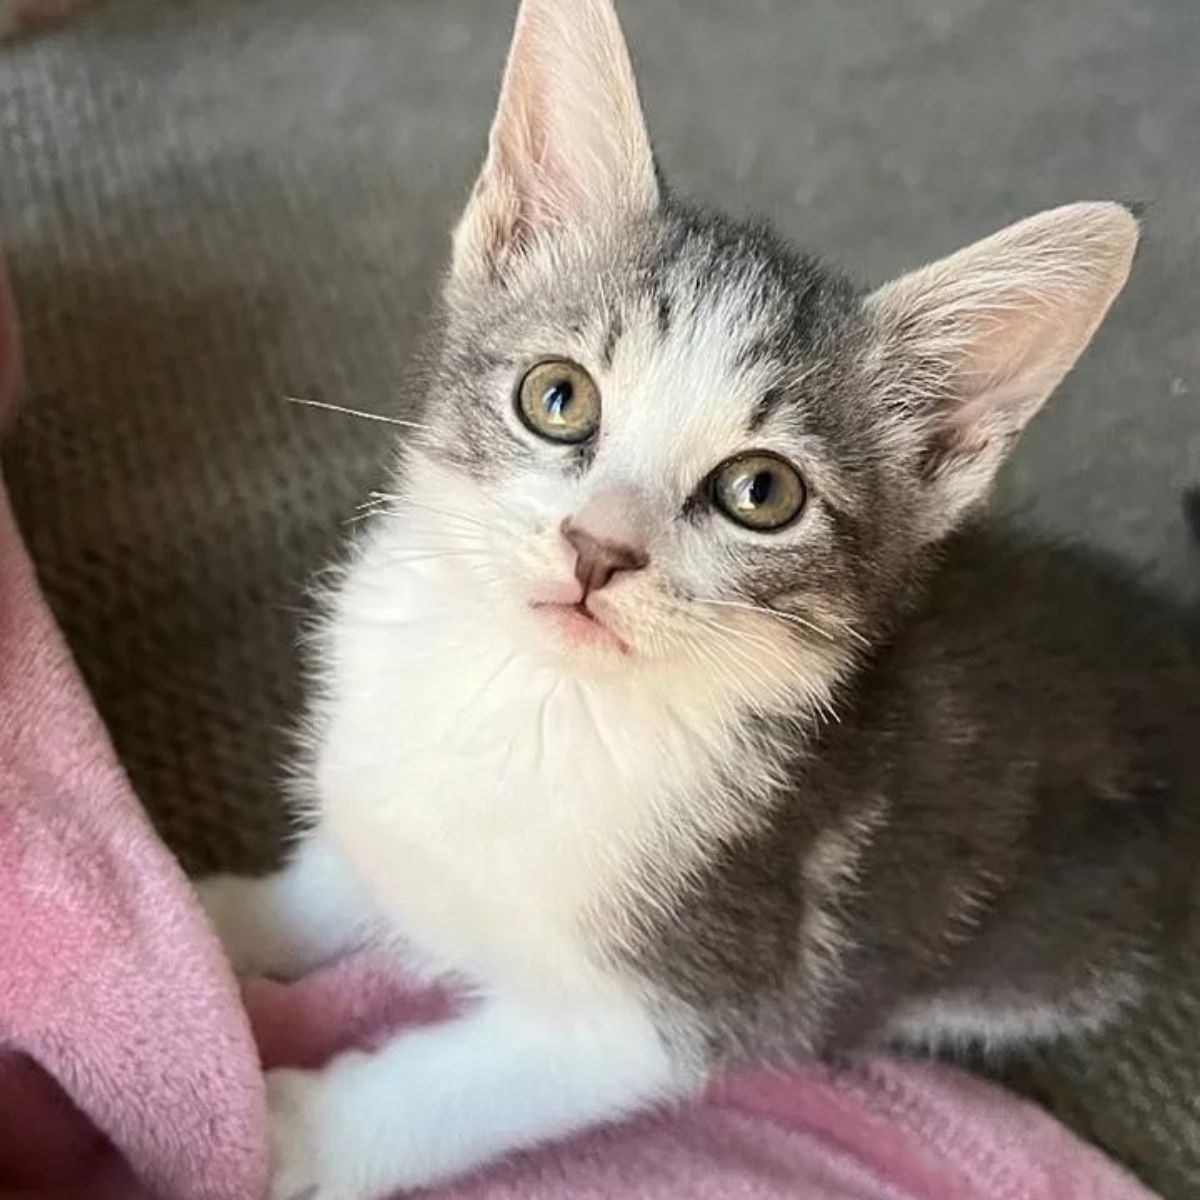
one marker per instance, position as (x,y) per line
(664,442)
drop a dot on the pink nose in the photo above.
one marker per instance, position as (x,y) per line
(597,560)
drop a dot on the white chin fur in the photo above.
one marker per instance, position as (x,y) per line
(492,781)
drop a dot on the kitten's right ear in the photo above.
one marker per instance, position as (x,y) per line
(568,144)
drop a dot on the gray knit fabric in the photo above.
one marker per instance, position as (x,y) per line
(210,204)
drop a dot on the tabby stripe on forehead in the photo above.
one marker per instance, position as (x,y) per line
(766,408)
(615,329)
(663,314)
(473,359)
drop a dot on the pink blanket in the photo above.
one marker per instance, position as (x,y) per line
(128,1067)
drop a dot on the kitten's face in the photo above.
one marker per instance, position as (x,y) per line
(684,390)
(663,446)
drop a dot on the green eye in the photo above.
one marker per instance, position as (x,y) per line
(557,400)
(759,491)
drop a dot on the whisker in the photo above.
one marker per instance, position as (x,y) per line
(753,638)
(356,412)
(433,556)
(742,658)
(503,516)
(794,618)
(379,501)
(850,631)
(718,663)
(695,655)
(464,520)
(488,683)
(746,606)
(727,635)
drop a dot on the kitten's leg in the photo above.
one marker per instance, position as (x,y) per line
(287,923)
(435,1103)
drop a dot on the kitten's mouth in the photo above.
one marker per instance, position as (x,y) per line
(581,626)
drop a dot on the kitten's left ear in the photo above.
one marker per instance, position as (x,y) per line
(995,327)
(569,142)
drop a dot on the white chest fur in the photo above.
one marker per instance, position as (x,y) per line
(503,812)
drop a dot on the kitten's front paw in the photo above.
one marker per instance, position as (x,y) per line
(296,1132)
(313,1151)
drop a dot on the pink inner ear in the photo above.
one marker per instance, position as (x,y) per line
(10,347)
(568,143)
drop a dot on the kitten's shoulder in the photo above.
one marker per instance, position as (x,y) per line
(999,580)
(1038,649)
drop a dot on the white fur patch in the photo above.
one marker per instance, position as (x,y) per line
(952,1022)
(438,1102)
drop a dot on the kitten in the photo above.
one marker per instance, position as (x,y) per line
(672,708)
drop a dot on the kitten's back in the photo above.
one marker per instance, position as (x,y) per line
(1034,723)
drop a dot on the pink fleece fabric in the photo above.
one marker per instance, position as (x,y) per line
(111,981)
(128,1067)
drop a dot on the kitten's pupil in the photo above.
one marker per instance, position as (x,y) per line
(557,399)
(761,487)
(755,490)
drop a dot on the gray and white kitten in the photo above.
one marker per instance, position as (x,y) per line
(668,709)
